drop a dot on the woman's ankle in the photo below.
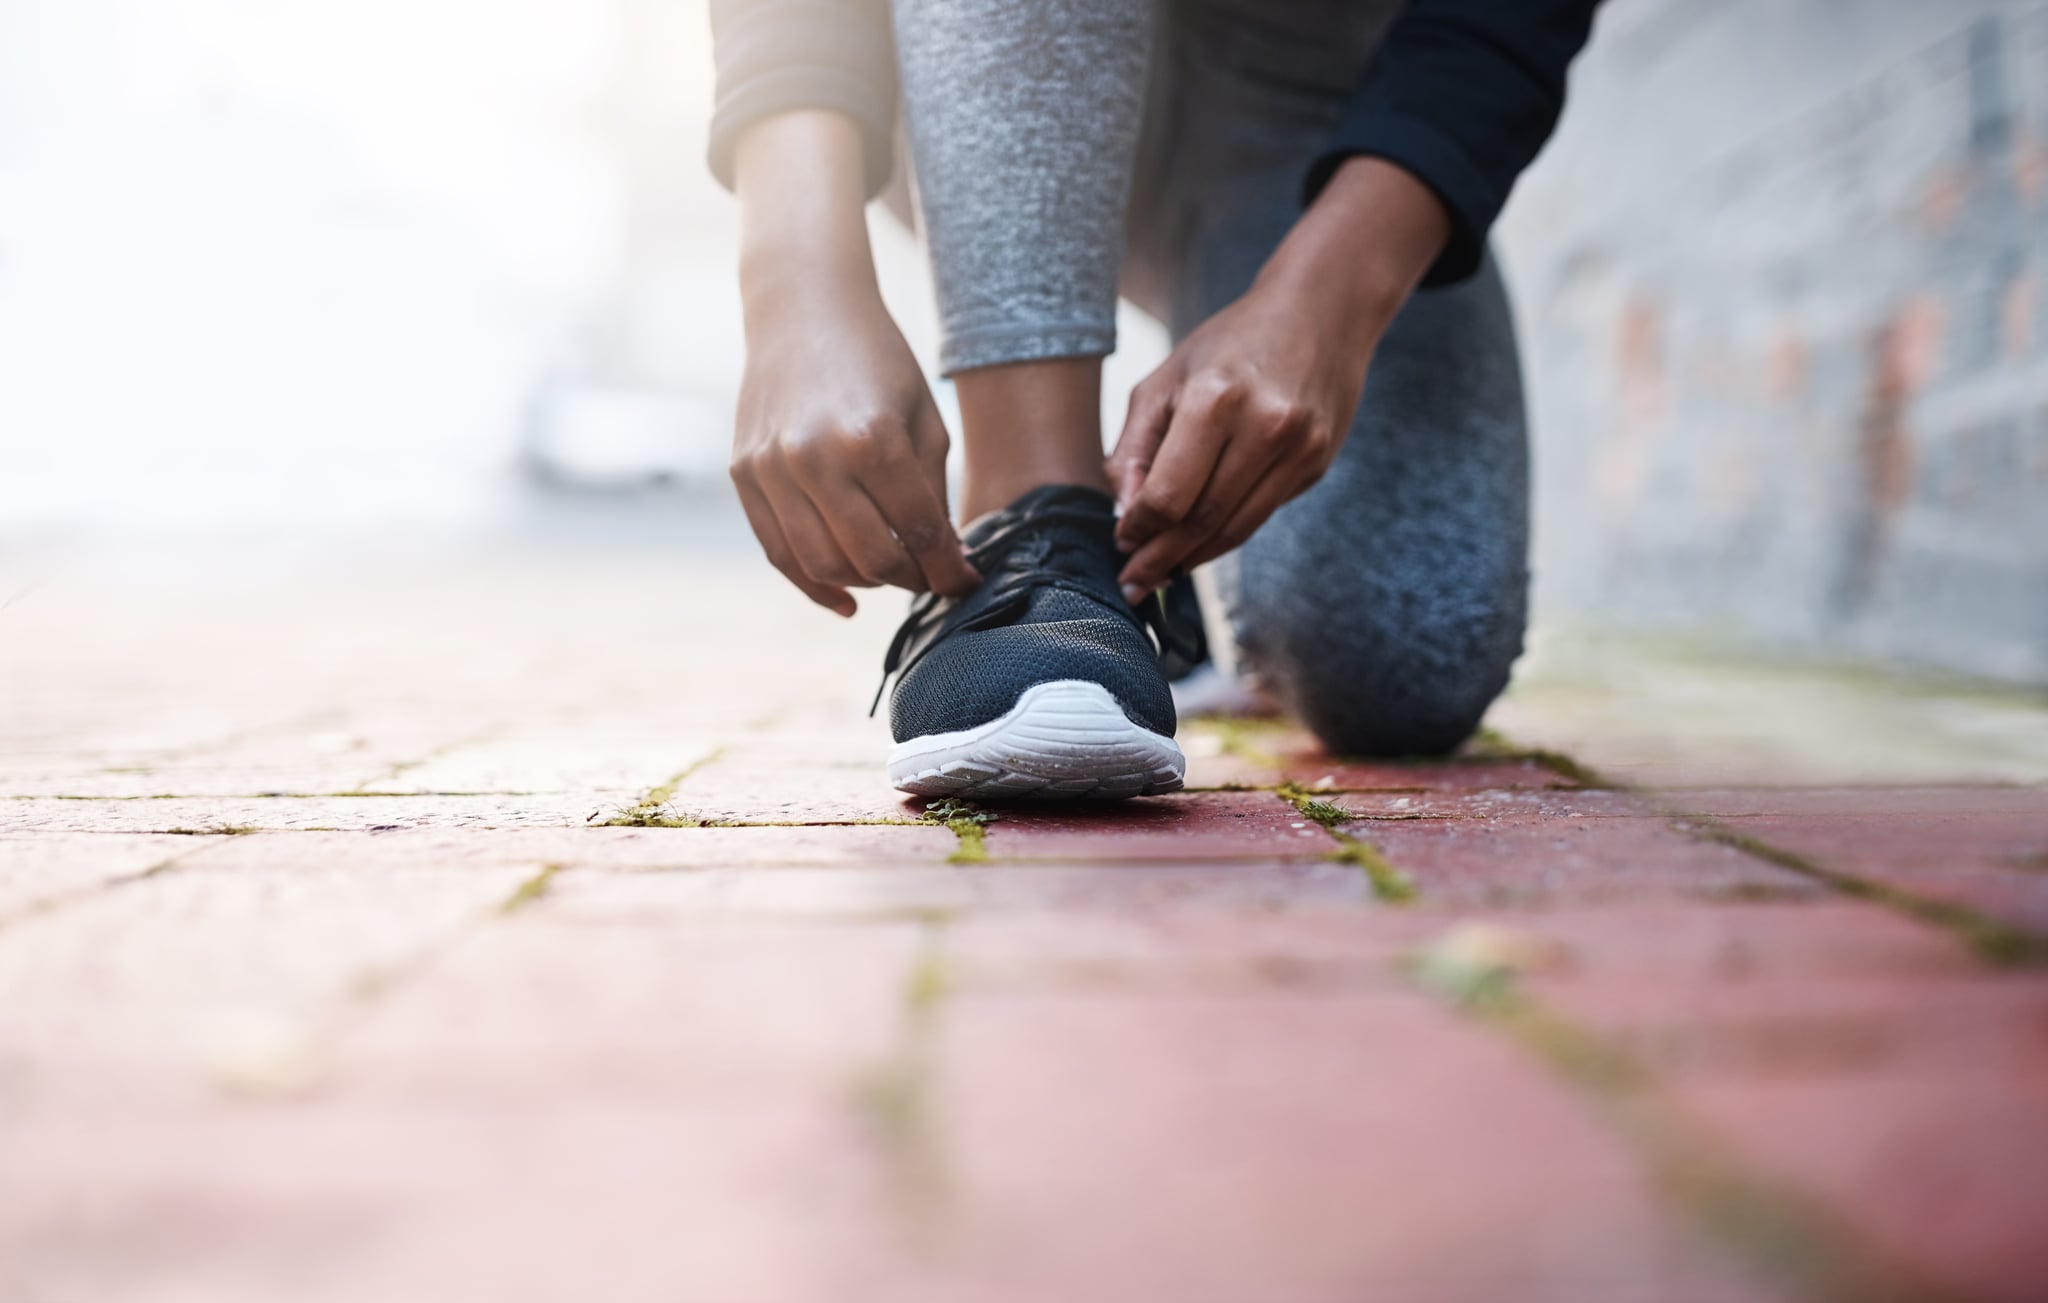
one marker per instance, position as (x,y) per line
(1028,424)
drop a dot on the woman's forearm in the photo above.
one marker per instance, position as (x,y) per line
(1363,245)
(803,225)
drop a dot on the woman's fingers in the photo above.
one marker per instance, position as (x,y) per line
(811,541)
(1280,487)
(1145,424)
(1242,466)
(908,487)
(1196,432)
(761,516)
(864,537)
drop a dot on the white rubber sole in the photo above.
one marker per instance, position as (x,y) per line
(1065,740)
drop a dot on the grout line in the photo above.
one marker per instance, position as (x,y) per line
(405,766)
(652,810)
(1774,1230)
(1388,883)
(966,822)
(48,904)
(530,890)
(351,795)
(1996,943)
(897,1098)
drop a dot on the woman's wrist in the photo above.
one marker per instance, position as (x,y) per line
(803,225)
(1362,247)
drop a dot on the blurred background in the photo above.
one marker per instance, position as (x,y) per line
(293,276)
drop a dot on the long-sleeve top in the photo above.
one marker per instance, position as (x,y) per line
(1462,94)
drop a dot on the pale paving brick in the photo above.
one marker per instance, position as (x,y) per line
(196,978)
(330,1202)
(1495,804)
(188,779)
(805,742)
(1394,1150)
(340,813)
(595,846)
(39,867)
(574,760)
(532,1011)
(1909,805)
(765,792)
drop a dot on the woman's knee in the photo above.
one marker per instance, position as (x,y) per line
(1426,707)
(1382,678)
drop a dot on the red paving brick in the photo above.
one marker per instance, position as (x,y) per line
(1189,827)
(1985,849)
(1944,1173)
(1853,1056)
(1526,859)
(1365,1133)
(1724,941)
(1185,950)
(847,891)
(1315,770)
(1166,1052)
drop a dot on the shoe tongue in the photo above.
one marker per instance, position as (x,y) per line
(1070,497)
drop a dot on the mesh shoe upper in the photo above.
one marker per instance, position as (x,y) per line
(1048,608)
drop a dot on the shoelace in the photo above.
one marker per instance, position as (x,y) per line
(1019,556)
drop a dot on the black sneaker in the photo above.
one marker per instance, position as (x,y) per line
(1043,682)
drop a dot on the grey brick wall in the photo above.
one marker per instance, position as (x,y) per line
(1781,283)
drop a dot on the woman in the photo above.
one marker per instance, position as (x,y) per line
(1302,193)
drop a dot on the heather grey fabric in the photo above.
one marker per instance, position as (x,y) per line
(1066,147)
(1023,121)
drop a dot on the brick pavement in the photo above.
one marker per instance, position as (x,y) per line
(513,931)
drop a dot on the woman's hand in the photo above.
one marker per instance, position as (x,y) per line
(1252,407)
(839,453)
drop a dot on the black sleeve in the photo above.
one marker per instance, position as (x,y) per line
(778,55)
(1463,94)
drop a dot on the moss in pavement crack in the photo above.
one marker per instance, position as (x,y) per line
(896,1098)
(653,811)
(1994,942)
(1388,883)
(967,824)
(1997,943)
(1492,744)
(531,890)
(1773,1230)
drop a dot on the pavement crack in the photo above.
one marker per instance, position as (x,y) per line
(1388,883)
(59,900)
(653,810)
(1999,944)
(967,823)
(1774,1231)
(531,890)
(898,1098)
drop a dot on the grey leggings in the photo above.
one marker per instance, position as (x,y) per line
(1066,149)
